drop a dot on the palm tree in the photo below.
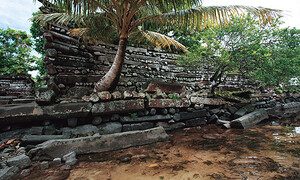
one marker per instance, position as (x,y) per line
(131,17)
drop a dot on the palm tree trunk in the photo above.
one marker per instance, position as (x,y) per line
(110,80)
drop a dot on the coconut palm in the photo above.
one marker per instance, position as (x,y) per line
(134,17)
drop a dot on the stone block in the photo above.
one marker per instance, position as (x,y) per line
(94,144)
(128,119)
(169,103)
(21,161)
(44,165)
(291,108)
(121,106)
(196,122)
(45,96)
(165,87)
(56,161)
(36,130)
(85,130)
(20,113)
(67,110)
(250,119)
(137,126)
(110,128)
(9,173)
(244,110)
(208,101)
(104,95)
(192,115)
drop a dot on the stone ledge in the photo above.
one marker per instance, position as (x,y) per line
(57,148)
(168,103)
(121,106)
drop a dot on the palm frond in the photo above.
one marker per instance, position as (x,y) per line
(202,17)
(160,40)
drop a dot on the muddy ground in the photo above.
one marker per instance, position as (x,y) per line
(209,152)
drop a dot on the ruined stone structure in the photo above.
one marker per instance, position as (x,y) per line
(74,67)
(21,86)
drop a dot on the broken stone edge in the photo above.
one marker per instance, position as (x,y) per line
(95,144)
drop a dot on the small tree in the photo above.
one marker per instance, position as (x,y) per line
(261,52)
(15,49)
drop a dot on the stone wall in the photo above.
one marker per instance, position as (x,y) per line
(74,66)
(20,86)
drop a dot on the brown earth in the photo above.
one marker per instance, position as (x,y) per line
(209,152)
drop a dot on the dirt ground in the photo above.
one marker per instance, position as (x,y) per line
(209,152)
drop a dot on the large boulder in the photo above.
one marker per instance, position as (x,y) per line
(250,119)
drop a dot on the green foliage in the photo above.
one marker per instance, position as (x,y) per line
(174,96)
(38,41)
(15,49)
(35,30)
(262,52)
(133,115)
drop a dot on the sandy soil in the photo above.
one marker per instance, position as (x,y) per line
(209,152)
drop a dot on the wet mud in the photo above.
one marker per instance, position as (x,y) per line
(209,152)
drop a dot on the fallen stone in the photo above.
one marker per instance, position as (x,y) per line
(69,156)
(291,108)
(85,130)
(244,110)
(213,119)
(36,130)
(121,106)
(116,95)
(36,139)
(104,143)
(192,115)
(208,101)
(250,119)
(45,96)
(196,122)
(71,161)
(20,113)
(44,165)
(21,161)
(129,119)
(56,161)
(9,173)
(221,122)
(168,103)
(226,126)
(110,128)
(104,95)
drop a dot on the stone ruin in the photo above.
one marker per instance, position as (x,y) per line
(153,96)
